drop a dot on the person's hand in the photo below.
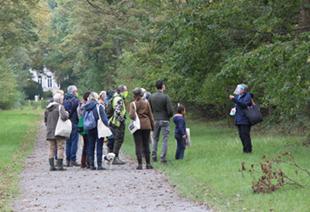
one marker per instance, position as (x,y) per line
(231,97)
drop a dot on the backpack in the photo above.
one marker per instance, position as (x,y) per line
(81,126)
(89,120)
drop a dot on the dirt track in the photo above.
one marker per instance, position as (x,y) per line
(122,188)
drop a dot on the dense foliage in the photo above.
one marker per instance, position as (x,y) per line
(202,48)
(18,35)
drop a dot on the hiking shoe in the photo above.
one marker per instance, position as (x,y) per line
(68,163)
(101,168)
(117,161)
(149,166)
(92,168)
(74,163)
(139,167)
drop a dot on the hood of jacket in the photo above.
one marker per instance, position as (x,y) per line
(51,106)
(90,105)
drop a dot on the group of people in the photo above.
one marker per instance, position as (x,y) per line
(153,110)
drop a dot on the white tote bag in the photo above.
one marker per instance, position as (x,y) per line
(102,129)
(135,124)
(188,139)
(63,128)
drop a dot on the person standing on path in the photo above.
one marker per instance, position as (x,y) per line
(117,121)
(71,102)
(109,111)
(142,136)
(243,99)
(162,111)
(99,147)
(81,130)
(93,107)
(51,117)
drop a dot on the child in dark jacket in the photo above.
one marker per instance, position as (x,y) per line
(180,132)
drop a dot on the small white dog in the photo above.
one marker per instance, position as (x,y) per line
(109,158)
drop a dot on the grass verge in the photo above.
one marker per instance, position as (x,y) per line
(17,136)
(210,171)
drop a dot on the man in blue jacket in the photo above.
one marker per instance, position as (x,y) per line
(71,102)
(243,99)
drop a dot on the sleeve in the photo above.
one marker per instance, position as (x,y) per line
(178,127)
(79,111)
(63,113)
(103,115)
(169,107)
(45,117)
(76,103)
(117,105)
(244,102)
(151,116)
(132,114)
(150,103)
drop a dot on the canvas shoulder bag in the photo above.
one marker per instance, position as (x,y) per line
(135,124)
(63,128)
(102,129)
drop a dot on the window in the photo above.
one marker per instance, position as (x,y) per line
(49,81)
(40,80)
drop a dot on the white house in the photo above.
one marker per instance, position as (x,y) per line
(46,78)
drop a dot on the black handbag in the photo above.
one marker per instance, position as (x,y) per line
(253,114)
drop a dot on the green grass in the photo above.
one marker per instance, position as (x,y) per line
(18,130)
(210,171)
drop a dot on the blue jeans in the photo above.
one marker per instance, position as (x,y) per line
(72,144)
(93,142)
(179,155)
(164,125)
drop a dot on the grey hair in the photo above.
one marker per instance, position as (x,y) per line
(244,87)
(71,89)
(93,96)
(58,97)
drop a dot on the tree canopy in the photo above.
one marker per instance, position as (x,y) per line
(201,48)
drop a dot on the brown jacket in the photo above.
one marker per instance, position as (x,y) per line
(51,116)
(144,113)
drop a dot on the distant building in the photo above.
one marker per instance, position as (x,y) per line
(46,79)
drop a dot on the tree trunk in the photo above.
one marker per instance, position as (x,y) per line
(304,16)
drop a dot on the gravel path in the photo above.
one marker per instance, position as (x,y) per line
(120,189)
